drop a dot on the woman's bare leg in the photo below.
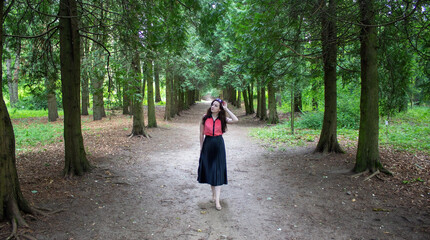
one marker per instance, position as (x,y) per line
(217,194)
(213,193)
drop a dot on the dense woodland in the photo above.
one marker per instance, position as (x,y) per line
(93,56)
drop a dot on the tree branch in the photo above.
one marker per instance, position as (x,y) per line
(348,70)
(183,4)
(46,14)
(101,8)
(108,58)
(31,37)
(382,24)
(6,12)
(297,53)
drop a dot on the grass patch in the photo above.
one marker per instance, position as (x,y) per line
(16,113)
(408,131)
(36,134)
(279,136)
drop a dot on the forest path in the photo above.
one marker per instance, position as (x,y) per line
(148,190)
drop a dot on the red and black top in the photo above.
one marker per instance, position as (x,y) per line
(213,127)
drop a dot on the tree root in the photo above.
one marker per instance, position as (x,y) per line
(378,171)
(14,234)
(29,237)
(15,214)
(145,135)
(46,211)
(383,170)
(372,175)
(358,174)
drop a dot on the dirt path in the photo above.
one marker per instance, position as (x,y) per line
(148,190)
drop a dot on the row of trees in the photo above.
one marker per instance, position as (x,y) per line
(93,46)
(118,53)
(315,44)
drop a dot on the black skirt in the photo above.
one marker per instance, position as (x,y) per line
(212,162)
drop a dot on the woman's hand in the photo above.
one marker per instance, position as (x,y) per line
(233,119)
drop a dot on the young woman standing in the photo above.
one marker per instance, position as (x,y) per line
(212,162)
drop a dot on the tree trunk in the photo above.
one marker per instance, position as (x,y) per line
(9,80)
(15,79)
(152,122)
(175,95)
(292,110)
(167,110)
(258,114)
(279,98)
(138,115)
(157,81)
(11,198)
(239,100)
(230,95)
(226,95)
(314,104)
(273,115)
(197,96)
(51,79)
(180,94)
(76,162)
(233,96)
(181,100)
(85,82)
(126,98)
(99,71)
(298,106)
(328,137)
(263,111)
(368,148)
(251,98)
(246,101)
(98,103)
(12,78)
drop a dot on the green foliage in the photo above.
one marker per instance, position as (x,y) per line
(348,107)
(213,92)
(413,180)
(36,134)
(16,113)
(311,120)
(32,102)
(408,131)
(280,135)
(395,73)
(161,103)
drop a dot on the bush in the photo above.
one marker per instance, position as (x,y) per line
(348,120)
(311,120)
(345,119)
(348,112)
(32,102)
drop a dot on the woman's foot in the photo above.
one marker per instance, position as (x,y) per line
(218,207)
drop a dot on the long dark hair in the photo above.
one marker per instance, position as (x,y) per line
(221,115)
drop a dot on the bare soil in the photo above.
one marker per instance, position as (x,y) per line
(147,189)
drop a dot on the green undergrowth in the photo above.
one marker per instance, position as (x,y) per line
(408,131)
(16,113)
(35,133)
